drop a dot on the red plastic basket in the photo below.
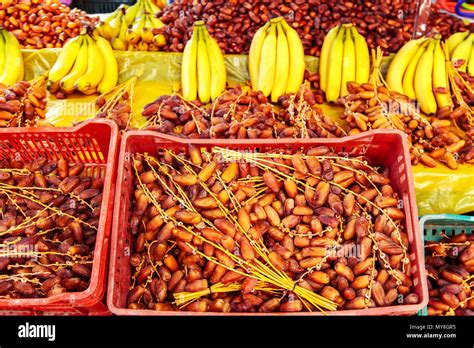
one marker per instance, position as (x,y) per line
(95,144)
(387,148)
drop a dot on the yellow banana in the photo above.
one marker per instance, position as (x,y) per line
(143,46)
(79,69)
(151,7)
(95,68)
(133,11)
(189,67)
(348,62)
(255,54)
(400,63)
(297,63)
(470,67)
(266,76)
(2,52)
(409,76)
(118,44)
(282,66)
(111,16)
(133,33)
(159,40)
(147,31)
(105,30)
(362,57)
(424,81)
(455,39)
(65,59)
(112,29)
(203,69)
(218,70)
(13,70)
(440,77)
(324,57)
(156,23)
(334,73)
(462,53)
(110,78)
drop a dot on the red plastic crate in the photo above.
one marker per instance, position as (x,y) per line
(94,143)
(388,148)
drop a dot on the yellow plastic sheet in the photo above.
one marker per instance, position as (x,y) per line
(439,190)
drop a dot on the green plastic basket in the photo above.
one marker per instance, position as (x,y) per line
(432,226)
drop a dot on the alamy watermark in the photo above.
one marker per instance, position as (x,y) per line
(19,251)
(65,107)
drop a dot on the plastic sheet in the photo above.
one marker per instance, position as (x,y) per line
(439,190)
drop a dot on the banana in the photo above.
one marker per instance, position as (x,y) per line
(297,62)
(159,40)
(400,63)
(440,77)
(409,75)
(110,78)
(462,52)
(113,28)
(362,57)
(143,46)
(424,81)
(334,73)
(348,62)
(79,68)
(2,52)
(324,57)
(118,44)
(105,30)
(189,67)
(95,68)
(470,67)
(282,66)
(203,69)
(65,59)
(455,39)
(255,54)
(13,70)
(147,31)
(151,7)
(133,34)
(156,23)
(133,11)
(267,64)
(218,70)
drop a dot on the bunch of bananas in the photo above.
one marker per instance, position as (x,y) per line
(203,72)
(344,58)
(11,60)
(276,59)
(86,64)
(419,71)
(461,51)
(133,28)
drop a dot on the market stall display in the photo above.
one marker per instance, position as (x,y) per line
(246,178)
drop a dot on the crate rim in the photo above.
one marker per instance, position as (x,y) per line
(83,298)
(403,309)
